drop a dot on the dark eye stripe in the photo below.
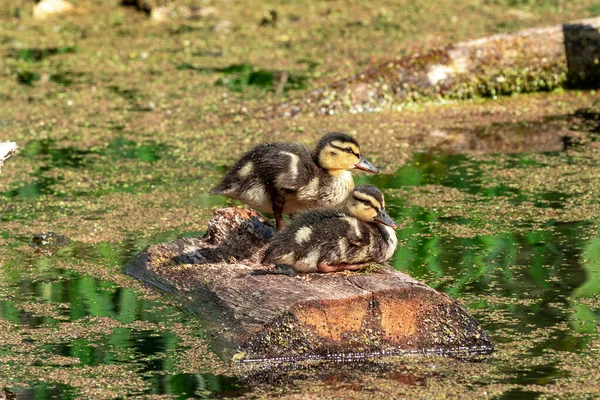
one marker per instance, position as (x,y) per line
(346,149)
(367,202)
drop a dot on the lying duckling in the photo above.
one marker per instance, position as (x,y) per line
(289,178)
(335,240)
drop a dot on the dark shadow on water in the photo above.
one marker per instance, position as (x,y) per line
(80,299)
(332,376)
(519,394)
(538,375)
(180,386)
(184,386)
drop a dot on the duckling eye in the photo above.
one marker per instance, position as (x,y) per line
(348,150)
(366,203)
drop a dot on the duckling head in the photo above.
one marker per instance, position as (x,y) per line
(338,152)
(367,204)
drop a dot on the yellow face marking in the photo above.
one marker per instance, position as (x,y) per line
(303,234)
(246,169)
(334,159)
(362,211)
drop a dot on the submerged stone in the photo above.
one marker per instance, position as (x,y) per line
(48,242)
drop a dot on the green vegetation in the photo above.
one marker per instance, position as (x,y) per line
(124,124)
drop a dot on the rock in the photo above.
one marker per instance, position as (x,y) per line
(46,8)
(48,243)
(164,10)
(257,312)
(6,150)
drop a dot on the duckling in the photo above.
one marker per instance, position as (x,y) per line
(336,240)
(289,178)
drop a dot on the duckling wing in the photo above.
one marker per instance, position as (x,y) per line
(357,241)
(286,166)
(311,231)
(292,168)
(268,169)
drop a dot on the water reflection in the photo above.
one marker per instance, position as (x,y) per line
(103,322)
(178,386)
(531,278)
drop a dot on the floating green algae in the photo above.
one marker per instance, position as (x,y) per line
(122,155)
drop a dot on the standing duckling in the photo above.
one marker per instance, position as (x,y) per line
(286,178)
(336,240)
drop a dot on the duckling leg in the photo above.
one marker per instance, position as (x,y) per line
(278,218)
(277,202)
(322,267)
(278,211)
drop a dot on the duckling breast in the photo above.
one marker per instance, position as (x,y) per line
(334,191)
(390,242)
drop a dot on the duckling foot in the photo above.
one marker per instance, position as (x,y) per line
(322,267)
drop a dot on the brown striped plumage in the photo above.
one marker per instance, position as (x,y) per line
(334,240)
(289,178)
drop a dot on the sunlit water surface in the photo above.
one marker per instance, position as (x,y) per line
(528,289)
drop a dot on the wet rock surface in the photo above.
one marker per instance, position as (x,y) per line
(48,243)
(256,312)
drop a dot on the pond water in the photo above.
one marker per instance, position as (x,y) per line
(531,281)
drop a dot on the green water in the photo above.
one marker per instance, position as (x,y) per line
(533,286)
(79,299)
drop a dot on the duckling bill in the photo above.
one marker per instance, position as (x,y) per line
(286,178)
(336,240)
